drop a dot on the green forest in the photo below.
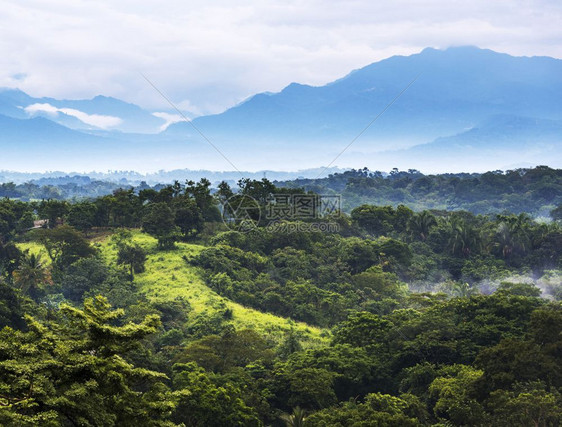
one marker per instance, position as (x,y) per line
(533,191)
(434,300)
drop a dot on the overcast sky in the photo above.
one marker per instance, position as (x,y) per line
(209,55)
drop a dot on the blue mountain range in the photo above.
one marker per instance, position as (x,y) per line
(465,108)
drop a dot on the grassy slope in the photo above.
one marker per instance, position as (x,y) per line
(168,276)
(35,248)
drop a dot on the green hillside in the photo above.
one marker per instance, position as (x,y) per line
(168,276)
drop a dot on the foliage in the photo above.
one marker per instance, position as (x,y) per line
(534,191)
(202,402)
(65,246)
(73,371)
(437,317)
(134,256)
(159,222)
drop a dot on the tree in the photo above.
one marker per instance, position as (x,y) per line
(122,236)
(377,410)
(159,223)
(512,235)
(11,310)
(420,225)
(201,193)
(224,192)
(360,254)
(259,190)
(362,329)
(522,289)
(15,216)
(84,275)
(379,283)
(65,245)
(310,388)
(232,348)
(134,256)
(25,222)
(355,371)
(32,275)
(53,211)
(82,216)
(377,220)
(73,371)
(546,330)
(454,396)
(458,289)
(10,257)
(7,220)
(529,404)
(290,344)
(464,239)
(124,208)
(394,253)
(296,419)
(402,217)
(8,189)
(513,361)
(188,217)
(202,402)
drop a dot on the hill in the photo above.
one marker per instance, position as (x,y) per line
(168,276)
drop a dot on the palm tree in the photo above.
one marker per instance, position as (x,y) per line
(296,419)
(420,224)
(31,275)
(464,238)
(504,239)
(512,234)
(462,289)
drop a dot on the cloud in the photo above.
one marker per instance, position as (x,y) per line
(42,108)
(97,120)
(215,54)
(169,118)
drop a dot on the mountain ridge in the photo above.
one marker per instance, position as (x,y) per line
(303,126)
(345,104)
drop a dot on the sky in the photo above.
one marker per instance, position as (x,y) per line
(207,56)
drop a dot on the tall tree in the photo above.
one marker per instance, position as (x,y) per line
(65,245)
(160,223)
(188,216)
(74,372)
(134,256)
(32,275)
(54,211)
(420,225)
(82,216)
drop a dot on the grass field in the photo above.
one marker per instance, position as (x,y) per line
(168,276)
